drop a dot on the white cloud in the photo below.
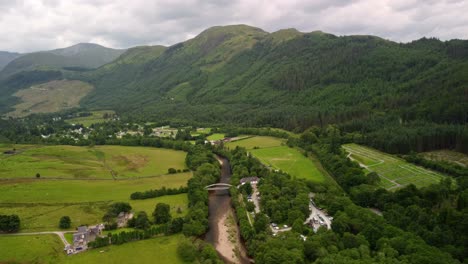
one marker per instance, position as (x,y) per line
(30,25)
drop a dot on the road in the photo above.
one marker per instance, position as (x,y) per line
(255,198)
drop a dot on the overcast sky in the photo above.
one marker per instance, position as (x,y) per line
(31,25)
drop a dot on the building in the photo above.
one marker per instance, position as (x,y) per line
(251,180)
(84,235)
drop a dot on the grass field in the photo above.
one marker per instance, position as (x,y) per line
(94,118)
(257,141)
(447,155)
(41,203)
(49,249)
(50,97)
(102,162)
(394,172)
(201,131)
(31,249)
(291,161)
(272,152)
(216,136)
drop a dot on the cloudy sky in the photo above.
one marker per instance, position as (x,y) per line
(30,25)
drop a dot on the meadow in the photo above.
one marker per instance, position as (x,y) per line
(49,249)
(272,152)
(256,142)
(95,118)
(290,160)
(101,162)
(41,203)
(393,171)
(216,136)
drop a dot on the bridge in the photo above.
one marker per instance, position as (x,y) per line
(218,186)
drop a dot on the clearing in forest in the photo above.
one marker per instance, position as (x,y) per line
(447,155)
(102,162)
(393,171)
(100,116)
(50,97)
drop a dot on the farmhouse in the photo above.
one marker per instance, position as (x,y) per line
(84,235)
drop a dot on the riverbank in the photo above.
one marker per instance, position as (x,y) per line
(224,233)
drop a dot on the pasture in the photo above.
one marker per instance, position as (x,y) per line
(216,136)
(49,249)
(41,203)
(394,172)
(156,250)
(50,97)
(95,118)
(31,249)
(291,161)
(256,142)
(99,162)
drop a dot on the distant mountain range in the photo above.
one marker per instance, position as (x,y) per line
(7,57)
(83,55)
(244,75)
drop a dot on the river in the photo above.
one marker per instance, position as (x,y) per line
(223,231)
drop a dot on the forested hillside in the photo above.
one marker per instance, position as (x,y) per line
(243,75)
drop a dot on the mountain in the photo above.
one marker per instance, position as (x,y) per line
(244,75)
(7,57)
(83,55)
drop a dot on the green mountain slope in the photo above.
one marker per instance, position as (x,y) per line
(288,79)
(83,55)
(7,57)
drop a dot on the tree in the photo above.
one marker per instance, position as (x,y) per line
(162,213)
(142,221)
(65,222)
(261,223)
(38,175)
(187,250)
(373,178)
(171,171)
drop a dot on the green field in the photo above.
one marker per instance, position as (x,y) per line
(201,131)
(216,136)
(49,249)
(31,249)
(41,203)
(94,118)
(394,172)
(257,141)
(104,162)
(291,161)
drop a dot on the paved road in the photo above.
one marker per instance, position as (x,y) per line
(60,234)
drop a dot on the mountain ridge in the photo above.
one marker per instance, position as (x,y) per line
(85,55)
(242,74)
